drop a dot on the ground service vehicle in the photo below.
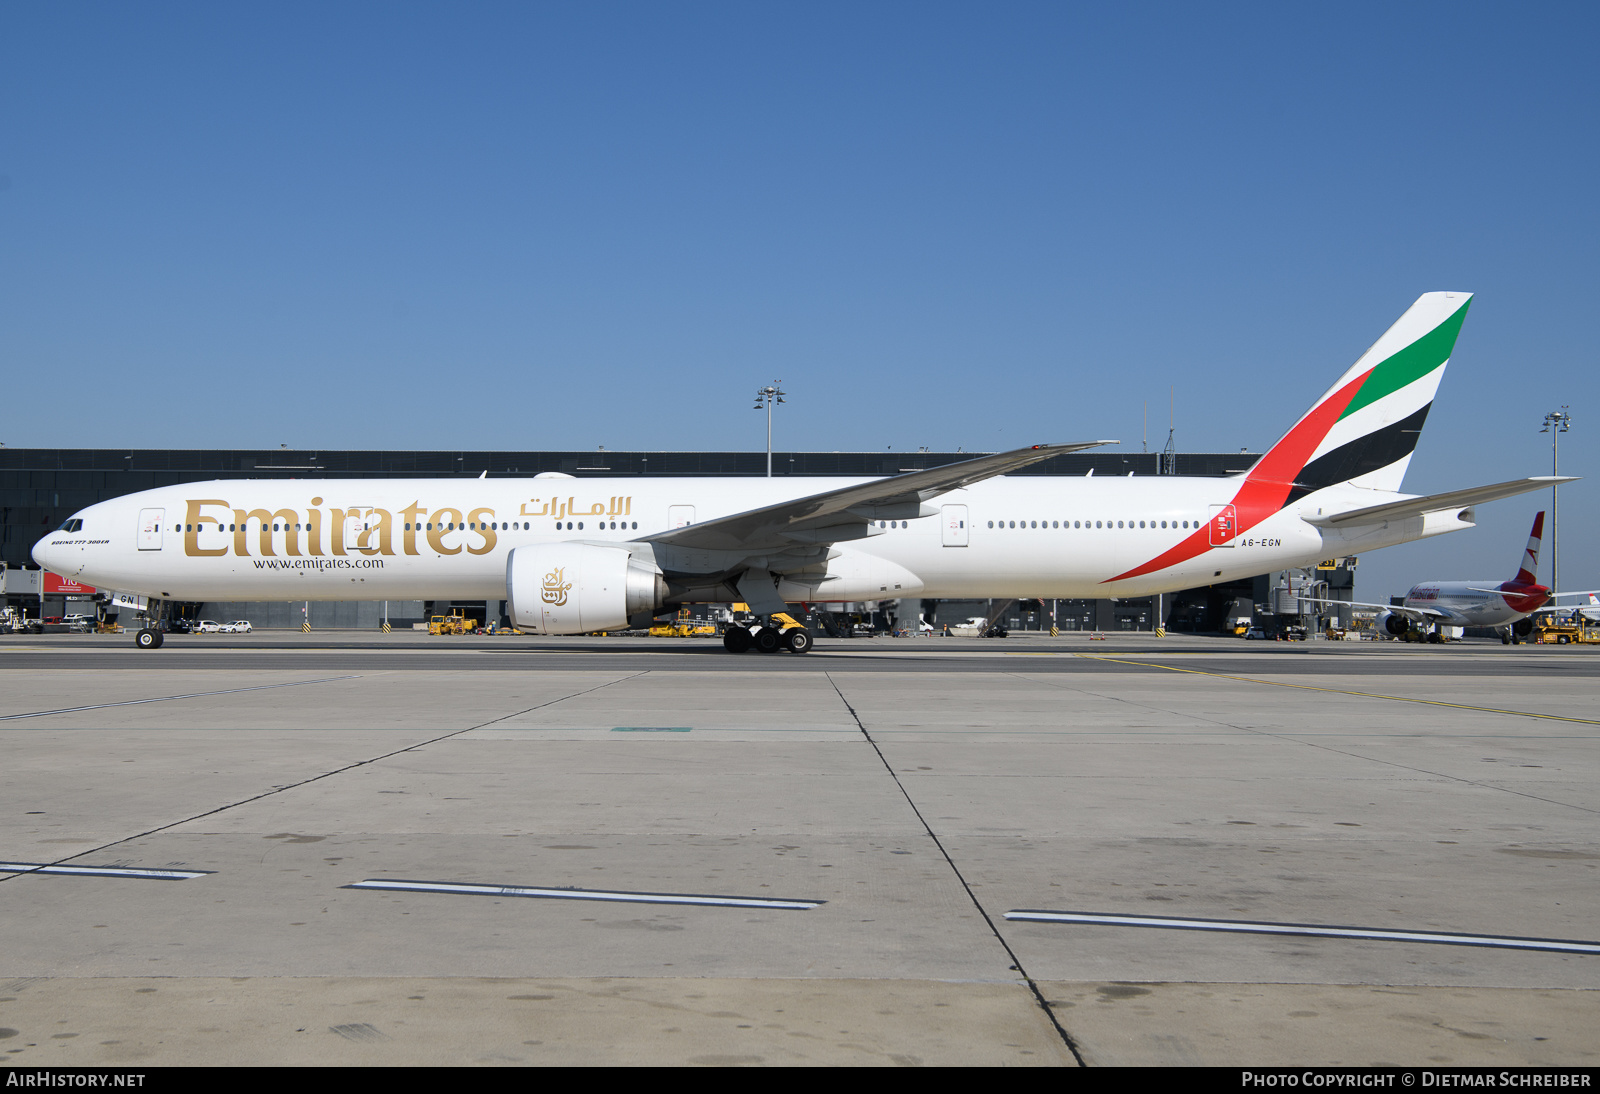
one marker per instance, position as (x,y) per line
(454,623)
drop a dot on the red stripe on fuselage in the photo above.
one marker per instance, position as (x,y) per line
(1267,486)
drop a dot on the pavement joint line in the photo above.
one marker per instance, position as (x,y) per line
(330,774)
(1016,962)
(1342,691)
(169,698)
(1314,930)
(617,896)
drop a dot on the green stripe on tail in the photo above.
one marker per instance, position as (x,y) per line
(1410,364)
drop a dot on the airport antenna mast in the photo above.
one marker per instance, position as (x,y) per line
(1555,424)
(768,397)
(1169,454)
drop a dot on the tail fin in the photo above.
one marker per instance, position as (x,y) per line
(1362,431)
(1530,557)
(1365,428)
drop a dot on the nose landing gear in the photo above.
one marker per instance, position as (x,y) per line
(150,636)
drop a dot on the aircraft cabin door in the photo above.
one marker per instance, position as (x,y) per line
(1224,525)
(150,521)
(678,516)
(955,530)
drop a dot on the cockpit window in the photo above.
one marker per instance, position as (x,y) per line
(73,525)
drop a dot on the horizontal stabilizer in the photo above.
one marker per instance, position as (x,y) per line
(1434,503)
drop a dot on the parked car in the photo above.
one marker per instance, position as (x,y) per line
(208,626)
(1254,633)
(238,626)
(179,625)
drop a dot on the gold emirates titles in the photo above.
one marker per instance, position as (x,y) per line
(379,527)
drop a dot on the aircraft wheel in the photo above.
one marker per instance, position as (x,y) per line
(148,639)
(1505,640)
(735,639)
(767,640)
(798,639)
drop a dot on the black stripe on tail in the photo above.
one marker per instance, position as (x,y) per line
(1361,456)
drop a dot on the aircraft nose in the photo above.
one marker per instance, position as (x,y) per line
(48,558)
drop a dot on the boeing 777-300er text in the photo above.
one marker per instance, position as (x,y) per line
(1508,605)
(572,556)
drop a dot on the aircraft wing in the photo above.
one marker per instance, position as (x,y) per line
(1421,615)
(1433,503)
(846,513)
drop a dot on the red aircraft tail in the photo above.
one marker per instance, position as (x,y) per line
(1530,557)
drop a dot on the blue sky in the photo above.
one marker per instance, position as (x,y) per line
(563,226)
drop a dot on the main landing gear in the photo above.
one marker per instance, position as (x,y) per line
(767,639)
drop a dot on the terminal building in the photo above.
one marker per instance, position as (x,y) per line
(41,487)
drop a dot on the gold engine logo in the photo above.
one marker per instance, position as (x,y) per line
(554,589)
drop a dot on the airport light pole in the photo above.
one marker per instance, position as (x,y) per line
(767,397)
(1555,423)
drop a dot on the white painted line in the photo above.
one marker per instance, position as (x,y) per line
(101,871)
(1443,938)
(584,894)
(169,698)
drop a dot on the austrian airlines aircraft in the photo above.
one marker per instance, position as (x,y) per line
(1509,605)
(577,555)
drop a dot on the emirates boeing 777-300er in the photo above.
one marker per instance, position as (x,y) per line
(572,556)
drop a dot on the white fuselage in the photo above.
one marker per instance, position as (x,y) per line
(399,539)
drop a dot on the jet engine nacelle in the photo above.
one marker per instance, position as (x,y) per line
(575,588)
(1393,624)
(1522,627)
